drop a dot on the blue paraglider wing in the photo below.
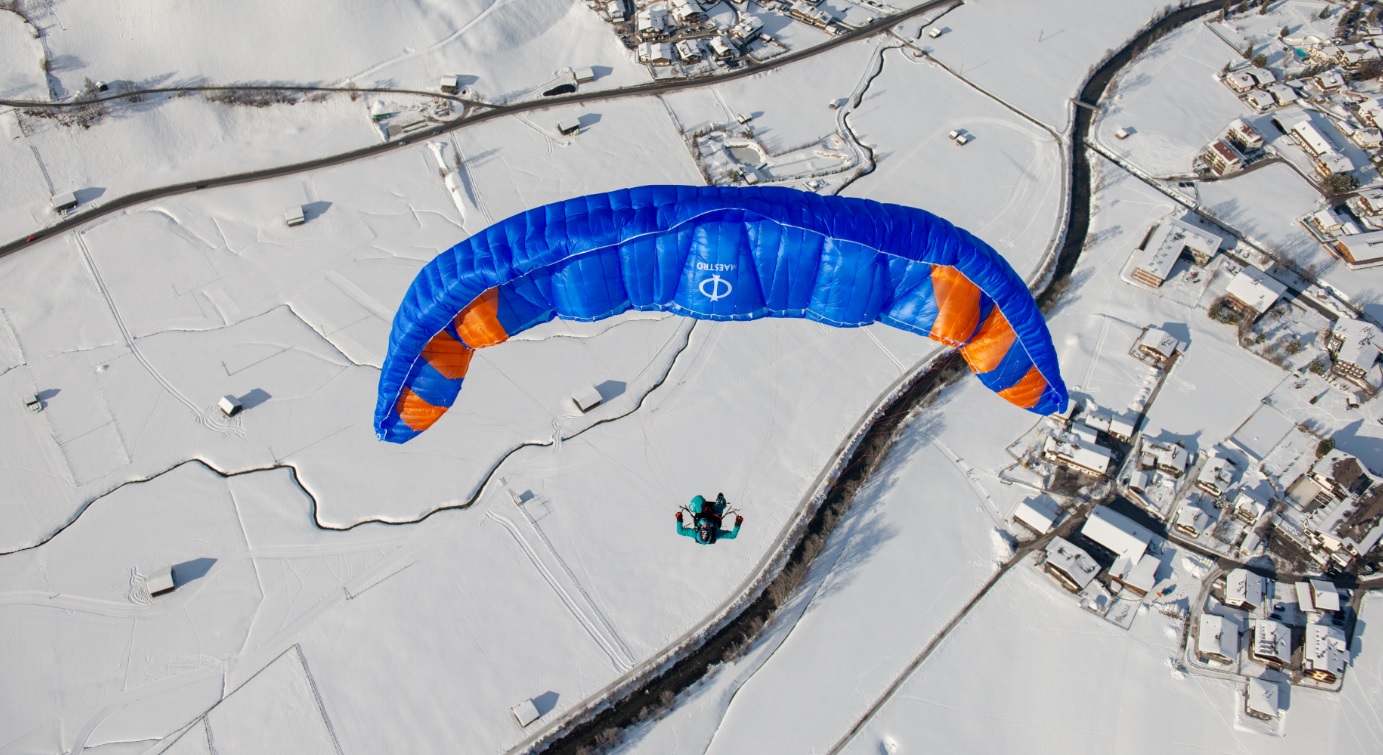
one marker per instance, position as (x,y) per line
(713,253)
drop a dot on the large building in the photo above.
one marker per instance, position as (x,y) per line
(1134,567)
(1355,344)
(1325,653)
(1078,453)
(1166,242)
(1272,643)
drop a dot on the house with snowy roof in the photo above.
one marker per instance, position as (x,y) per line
(1271,644)
(1324,653)
(1217,639)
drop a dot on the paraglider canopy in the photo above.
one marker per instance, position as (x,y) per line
(713,253)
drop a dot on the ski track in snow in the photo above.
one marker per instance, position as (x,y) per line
(590,617)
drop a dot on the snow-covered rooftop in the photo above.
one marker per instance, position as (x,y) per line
(1255,289)
(1217,637)
(1121,535)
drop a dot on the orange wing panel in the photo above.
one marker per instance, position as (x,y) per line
(991,344)
(1026,392)
(478,324)
(417,413)
(448,356)
(957,304)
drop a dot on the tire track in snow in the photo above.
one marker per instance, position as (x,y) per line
(610,630)
(603,635)
(125,331)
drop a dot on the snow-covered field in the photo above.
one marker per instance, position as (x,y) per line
(1029,671)
(1035,55)
(339,594)
(131,328)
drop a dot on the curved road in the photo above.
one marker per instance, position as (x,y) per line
(656,87)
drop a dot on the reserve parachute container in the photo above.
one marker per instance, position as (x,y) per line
(713,253)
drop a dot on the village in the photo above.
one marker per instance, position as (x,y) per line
(1259,543)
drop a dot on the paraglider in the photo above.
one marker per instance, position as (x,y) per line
(707,520)
(713,253)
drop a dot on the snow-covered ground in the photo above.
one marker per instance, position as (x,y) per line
(504,47)
(132,327)
(1029,671)
(1170,102)
(425,621)
(1034,55)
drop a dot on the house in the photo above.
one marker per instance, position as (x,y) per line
(1037,514)
(1071,566)
(1271,644)
(1367,202)
(686,12)
(1332,222)
(1368,138)
(1354,344)
(1222,158)
(723,49)
(1339,475)
(1158,345)
(747,29)
(1260,100)
(1216,475)
(1121,427)
(294,216)
(651,24)
(1325,158)
(656,53)
(807,13)
(617,11)
(450,84)
(1360,248)
(1371,112)
(1244,589)
(1248,509)
(1254,291)
(1166,242)
(1171,458)
(1118,534)
(1217,639)
(1249,78)
(1348,529)
(1325,653)
(1325,83)
(1080,454)
(1244,136)
(1354,55)
(1137,577)
(1260,698)
(1192,520)
(1324,596)
(689,50)
(1281,94)
(568,127)
(583,75)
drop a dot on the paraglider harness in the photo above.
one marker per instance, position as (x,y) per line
(708,520)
